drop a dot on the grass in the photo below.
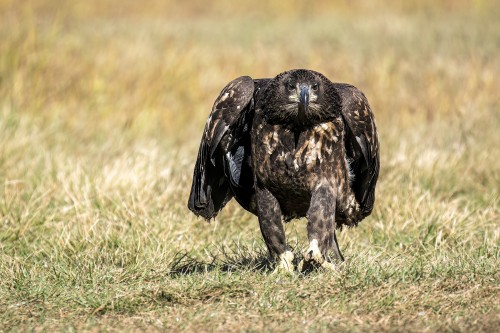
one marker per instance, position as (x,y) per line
(101,109)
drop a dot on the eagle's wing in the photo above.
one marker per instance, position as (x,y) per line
(222,154)
(361,143)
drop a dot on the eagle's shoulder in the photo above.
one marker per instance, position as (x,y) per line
(353,100)
(227,110)
(358,116)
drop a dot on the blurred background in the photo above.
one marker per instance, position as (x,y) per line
(155,67)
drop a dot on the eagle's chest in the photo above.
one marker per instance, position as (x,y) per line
(296,159)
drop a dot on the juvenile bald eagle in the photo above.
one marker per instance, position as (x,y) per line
(297,145)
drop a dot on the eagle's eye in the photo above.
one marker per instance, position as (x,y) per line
(314,87)
(290,86)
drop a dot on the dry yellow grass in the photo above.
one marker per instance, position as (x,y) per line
(102,104)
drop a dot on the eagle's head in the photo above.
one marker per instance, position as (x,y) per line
(300,98)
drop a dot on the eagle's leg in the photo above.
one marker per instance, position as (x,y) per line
(321,227)
(269,213)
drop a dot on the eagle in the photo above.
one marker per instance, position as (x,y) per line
(296,145)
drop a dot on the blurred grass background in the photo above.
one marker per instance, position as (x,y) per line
(102,106)
(124,64)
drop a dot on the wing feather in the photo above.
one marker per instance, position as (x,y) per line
(362,144)
(210,189)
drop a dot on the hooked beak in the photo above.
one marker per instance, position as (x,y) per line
(304,99)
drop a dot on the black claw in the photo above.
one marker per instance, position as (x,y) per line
(336,249)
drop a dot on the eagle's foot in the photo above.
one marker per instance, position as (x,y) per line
(285,264)
(308,266)
(313,258)
(313,253)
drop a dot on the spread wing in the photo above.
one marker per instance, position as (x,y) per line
(223,156)
(362,145)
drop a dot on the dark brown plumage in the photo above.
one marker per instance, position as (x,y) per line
(293,146)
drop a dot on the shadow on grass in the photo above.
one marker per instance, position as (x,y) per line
(225,260)
(235,259)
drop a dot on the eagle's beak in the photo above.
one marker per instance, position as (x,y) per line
(304,99)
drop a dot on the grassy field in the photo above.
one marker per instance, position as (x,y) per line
(102,105)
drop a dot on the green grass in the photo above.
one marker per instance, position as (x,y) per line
(102,106)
